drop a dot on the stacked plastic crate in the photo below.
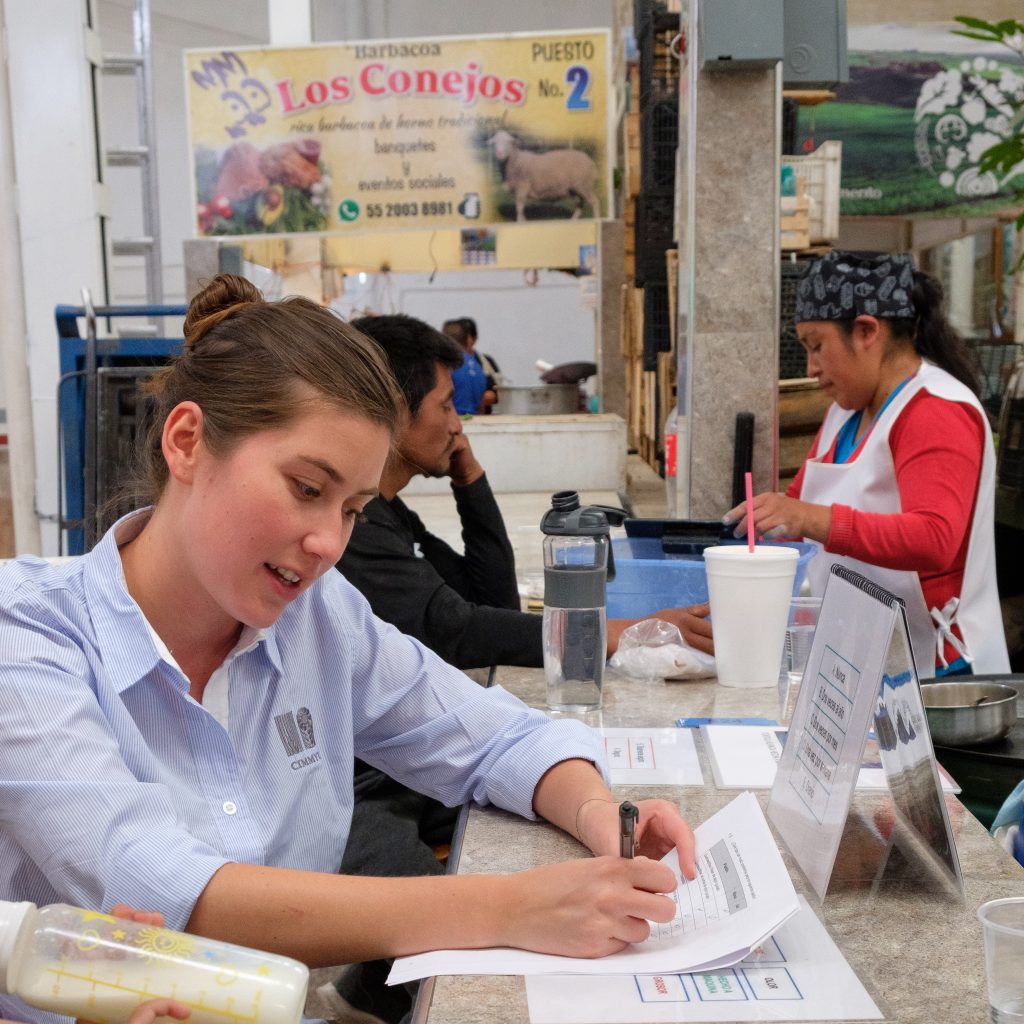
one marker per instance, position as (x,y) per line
(655,112)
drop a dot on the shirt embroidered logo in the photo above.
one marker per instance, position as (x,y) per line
(295,730)
(304,720)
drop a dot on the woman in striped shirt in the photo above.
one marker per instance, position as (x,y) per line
(185,701)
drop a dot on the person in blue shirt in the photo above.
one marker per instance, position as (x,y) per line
(182,704)
(472,389)
(464,332)
(470,384)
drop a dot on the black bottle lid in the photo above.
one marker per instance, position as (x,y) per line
(566,518)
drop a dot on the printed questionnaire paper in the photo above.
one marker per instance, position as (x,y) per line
(742,893)
(652,757)
(797,974)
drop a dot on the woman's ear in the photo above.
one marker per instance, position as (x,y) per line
(867,330)
(182,440)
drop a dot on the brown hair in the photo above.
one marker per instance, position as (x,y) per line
(249,365)
(456,330)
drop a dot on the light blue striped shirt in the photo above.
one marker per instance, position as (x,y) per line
(115,785)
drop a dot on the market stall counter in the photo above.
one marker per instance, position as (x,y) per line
(915,947)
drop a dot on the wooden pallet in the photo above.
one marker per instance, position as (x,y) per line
(631,149)
(629,220)
(672,268)
(795,220)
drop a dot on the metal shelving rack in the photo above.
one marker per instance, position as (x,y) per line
(138,64)
(100,411)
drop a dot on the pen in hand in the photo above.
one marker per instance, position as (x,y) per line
(629,815)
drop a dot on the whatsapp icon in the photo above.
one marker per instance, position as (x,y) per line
(348,210)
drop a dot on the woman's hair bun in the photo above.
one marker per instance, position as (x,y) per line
(220,294)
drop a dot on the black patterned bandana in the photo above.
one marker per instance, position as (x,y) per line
(845,285)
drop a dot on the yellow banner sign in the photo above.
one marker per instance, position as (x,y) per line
(400,133)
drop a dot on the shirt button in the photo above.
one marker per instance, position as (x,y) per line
(229,807)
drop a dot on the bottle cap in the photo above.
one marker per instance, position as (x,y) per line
(566,518)
(11,917)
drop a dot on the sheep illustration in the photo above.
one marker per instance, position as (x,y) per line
(550,175)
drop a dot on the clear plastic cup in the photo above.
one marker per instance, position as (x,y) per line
(803,619)
(750,593)
(1002,926)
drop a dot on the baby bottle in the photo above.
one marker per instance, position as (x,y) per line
(86,964)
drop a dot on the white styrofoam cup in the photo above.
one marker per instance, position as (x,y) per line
(750,594)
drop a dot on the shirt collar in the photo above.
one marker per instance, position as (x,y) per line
(247,640)
(129,645)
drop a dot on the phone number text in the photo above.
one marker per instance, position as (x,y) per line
(409,209)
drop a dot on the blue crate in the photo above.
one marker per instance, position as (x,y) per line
(646,579)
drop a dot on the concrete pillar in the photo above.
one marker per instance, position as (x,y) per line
(611,367)
(59,201)
(728,302)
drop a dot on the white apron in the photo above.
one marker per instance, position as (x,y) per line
(868,483)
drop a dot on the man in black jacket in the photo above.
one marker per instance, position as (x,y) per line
(464,607)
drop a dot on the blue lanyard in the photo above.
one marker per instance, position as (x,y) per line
(846,441)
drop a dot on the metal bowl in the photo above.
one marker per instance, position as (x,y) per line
(537,399)
(963,714)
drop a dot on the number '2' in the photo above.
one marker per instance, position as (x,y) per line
(579,78)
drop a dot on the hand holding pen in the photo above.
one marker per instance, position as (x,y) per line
(629,817)
(656,827)
(606,902)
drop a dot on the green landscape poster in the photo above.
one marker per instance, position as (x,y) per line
(921,106)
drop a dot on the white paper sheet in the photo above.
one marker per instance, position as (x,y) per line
(747,757)
(652,757)
(798,974)
(742,893)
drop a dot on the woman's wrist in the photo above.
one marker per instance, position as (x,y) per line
(584,814)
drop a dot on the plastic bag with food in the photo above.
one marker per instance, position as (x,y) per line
(655,649)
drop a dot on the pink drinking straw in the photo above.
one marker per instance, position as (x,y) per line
(749,481)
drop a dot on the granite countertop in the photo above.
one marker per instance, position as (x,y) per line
(917,949)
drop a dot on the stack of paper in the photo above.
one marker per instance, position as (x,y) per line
(741,895)
(798,974)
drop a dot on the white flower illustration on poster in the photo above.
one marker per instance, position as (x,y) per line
(961,113)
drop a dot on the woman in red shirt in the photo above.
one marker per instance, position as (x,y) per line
(900,481)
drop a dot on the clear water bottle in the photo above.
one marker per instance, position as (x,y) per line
(577,549)
(85,964)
